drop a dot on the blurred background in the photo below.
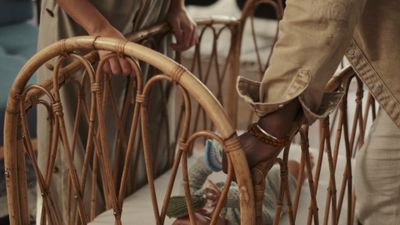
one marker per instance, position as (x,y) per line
(18,37)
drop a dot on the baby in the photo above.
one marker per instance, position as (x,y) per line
(230,214)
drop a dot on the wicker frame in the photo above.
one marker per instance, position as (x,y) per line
(14,128)
(335,129)
(339,132)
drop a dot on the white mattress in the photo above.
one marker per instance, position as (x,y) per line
(137,208)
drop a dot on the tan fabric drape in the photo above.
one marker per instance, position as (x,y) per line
(126,16)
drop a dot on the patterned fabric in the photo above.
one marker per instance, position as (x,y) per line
(213,154)
(199,172)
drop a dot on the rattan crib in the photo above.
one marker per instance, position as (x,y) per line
(341,133)
(17,140)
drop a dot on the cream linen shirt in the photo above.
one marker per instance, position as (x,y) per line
(314,35)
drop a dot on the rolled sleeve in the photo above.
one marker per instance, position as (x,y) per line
(313,37)
(249,91)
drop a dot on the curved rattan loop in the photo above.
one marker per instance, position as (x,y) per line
(146,91)
(88,69)
(42,181)
(138,77)
(227,183)
(40,88)
(211,66)
(182,139)
(167,66)
(137,73)
(183,151)
(67,148)
(187,113)
(105,159)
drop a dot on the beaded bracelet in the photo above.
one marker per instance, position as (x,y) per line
(262,135)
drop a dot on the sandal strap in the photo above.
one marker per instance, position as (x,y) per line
(262,135)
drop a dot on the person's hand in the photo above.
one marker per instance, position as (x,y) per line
(183,27)
(115,65)
(212,193)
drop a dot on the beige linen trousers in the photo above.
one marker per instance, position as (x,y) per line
(377,174)
(127,16)
(314,35)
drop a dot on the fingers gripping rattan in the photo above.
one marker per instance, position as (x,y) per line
(98,164)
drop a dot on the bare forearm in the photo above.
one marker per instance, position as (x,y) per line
(86,15)
(182,25)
